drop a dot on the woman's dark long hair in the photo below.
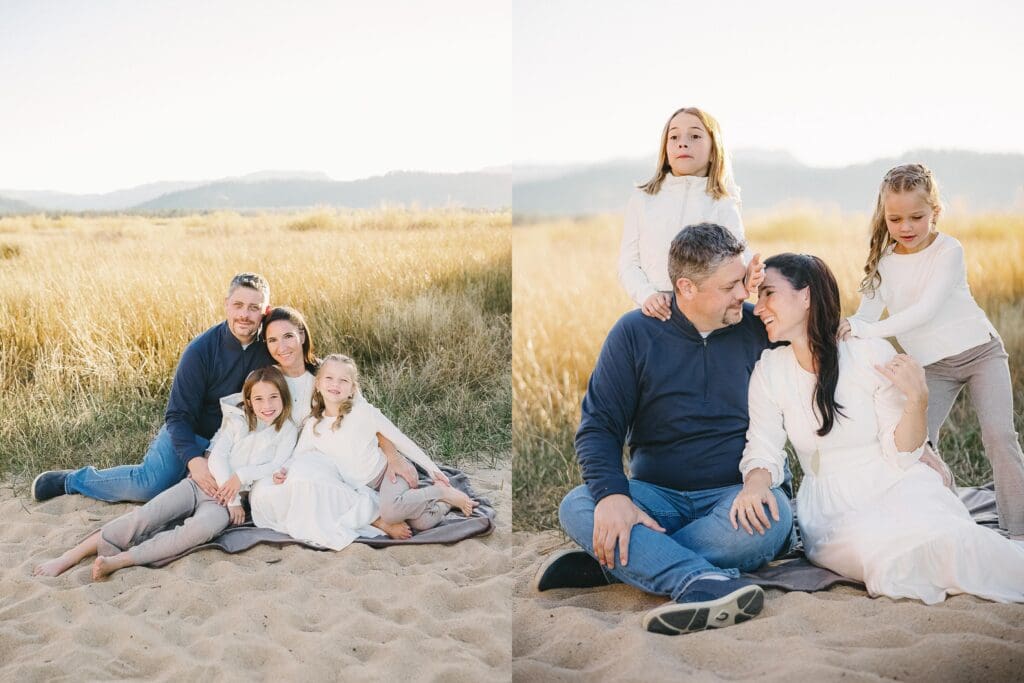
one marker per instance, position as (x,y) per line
(288,313)
(803,270)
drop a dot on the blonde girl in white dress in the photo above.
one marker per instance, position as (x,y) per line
(855,412)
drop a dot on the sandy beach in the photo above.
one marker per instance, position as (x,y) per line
(840,634)
(412,614)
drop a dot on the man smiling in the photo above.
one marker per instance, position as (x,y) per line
(213,365)
(676,391)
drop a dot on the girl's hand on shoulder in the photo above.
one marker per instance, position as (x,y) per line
(230,489)
(755,275)
(845,330)
(658,305)
(280,476)
(237,514)
(908,376)
(440,478)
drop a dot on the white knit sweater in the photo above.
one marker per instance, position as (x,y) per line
(931,311)
(653,221)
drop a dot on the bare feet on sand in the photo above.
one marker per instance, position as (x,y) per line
(399,530)
(102,567)
(458,500)
(56,566)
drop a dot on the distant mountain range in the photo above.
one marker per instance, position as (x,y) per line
(971,180)
(280,190)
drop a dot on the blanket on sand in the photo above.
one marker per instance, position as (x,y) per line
(452,529)
(795,573)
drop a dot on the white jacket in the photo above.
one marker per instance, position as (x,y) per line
(653,221)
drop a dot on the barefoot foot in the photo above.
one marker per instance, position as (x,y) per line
(458,500)
(55,567)
(399,530)
(102,567)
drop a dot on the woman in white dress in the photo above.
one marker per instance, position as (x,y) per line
(856,414)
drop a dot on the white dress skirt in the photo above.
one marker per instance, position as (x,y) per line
(315,504)
(865,509)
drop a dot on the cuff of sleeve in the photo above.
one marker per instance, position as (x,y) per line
(859,328)
(601,490)
(772,467)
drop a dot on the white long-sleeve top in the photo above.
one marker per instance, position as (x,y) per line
(781,405)
(931,311)
(653,221)
(353,447)
(251,455)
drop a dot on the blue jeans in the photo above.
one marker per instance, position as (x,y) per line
(698,539)
(161,469)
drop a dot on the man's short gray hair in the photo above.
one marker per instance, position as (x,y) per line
(252,281)
(698,250)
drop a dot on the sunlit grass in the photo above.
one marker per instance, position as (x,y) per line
(566,297)
(95,312)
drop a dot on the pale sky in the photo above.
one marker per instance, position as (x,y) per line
(97,96)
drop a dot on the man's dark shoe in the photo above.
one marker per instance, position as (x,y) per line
(707,603)
(570,569)
(49,485)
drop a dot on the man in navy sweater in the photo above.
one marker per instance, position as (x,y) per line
(213,365)
(675,391)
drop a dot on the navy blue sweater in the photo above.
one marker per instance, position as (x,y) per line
(213,365)
(677,399)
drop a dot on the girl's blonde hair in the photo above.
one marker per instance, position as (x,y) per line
(317,403)
(718,167)
(902,178)
(270,375)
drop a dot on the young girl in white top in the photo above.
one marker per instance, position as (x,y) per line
(340,439)
(919,275)
(240,457)
(692,185)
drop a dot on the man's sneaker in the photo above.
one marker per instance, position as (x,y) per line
(707,603)
(570,569)
(49,484)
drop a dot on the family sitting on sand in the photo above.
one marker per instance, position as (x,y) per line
(706,390)
(321,463)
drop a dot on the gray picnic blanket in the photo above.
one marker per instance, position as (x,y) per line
(794,572)
(452,529)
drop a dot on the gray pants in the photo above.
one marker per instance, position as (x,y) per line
(422,508)
(136,531)
(984,369)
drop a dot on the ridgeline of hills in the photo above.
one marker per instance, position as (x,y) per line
(972,180)
(280,190)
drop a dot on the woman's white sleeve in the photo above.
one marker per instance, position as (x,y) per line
(948,270)
(766,433)
(404,444)
(631,274)
(889,403)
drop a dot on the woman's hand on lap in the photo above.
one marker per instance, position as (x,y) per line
(748,508)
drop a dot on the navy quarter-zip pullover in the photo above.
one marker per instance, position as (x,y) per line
(677,399)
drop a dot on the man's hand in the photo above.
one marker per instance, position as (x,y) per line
(754,276)
(227,492)
(614,518)
(748,508)
(200,471)
(658,305)
(236,513)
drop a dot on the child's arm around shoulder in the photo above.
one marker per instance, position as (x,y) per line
(631,274)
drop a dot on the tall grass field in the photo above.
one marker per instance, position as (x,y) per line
(95,312)
(566,296)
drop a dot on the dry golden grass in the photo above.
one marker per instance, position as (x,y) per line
(566,297)
(95,312)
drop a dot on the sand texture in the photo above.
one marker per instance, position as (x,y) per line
(287,614)
(840,634)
